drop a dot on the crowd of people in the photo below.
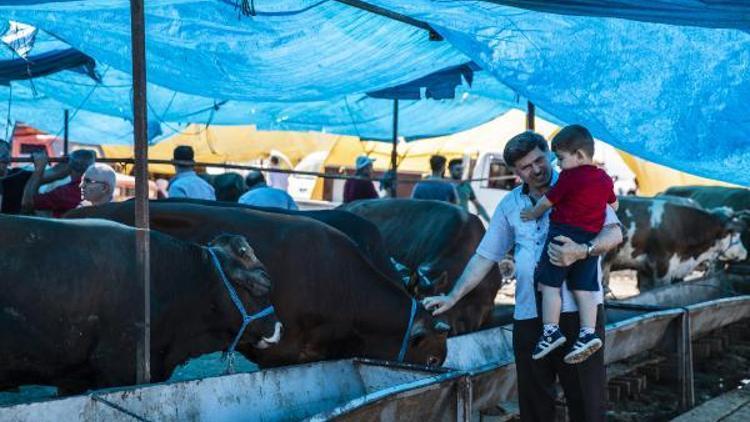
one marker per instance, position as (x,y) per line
(81,181)
(456,190)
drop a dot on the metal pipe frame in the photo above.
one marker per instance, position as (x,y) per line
(434,35)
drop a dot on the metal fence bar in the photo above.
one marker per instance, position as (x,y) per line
(128,160)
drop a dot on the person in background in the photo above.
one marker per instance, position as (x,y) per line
(275,179)
(98,185)
(464,190)
(13,180)
(186,183)
(262,195)
(63,198)
(229,186)
(435,186)
(356,189)
(162,185)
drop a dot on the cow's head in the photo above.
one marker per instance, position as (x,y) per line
(735,242)
(427,340)
(245,271)
(426,281)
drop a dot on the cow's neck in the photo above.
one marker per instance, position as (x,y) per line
(199,329)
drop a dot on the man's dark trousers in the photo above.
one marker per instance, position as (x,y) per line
(584,384)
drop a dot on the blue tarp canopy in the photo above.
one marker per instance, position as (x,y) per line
(448,105)
(664,80)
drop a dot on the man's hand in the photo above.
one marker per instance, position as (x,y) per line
(527,214)
(40,160)
(438,304)
(563,251)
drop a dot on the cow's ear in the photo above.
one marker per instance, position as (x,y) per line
(442,327)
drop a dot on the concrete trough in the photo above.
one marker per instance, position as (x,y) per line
(351,389)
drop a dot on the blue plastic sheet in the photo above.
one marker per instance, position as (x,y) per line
(458,107)
(85,127)
(676,95)
(710,13)
(291,51)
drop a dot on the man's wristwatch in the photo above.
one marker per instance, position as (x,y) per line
(589,249)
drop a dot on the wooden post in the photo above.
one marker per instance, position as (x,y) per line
(394,151)
(685,362)
(530,115)
(66,149)
(140,133)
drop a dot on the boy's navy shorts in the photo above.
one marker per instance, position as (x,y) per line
(581,275)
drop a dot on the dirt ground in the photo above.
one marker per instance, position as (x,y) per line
(714,376)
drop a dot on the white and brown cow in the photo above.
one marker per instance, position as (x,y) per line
(667,238)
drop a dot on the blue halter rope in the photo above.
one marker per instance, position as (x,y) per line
(246,318)
(405,341)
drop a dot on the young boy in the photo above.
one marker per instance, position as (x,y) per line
(579,198)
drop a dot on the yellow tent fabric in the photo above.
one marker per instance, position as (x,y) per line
(654,178)
(233,144)
(243,144)
(414,156)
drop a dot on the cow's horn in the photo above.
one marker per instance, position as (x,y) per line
(442,327)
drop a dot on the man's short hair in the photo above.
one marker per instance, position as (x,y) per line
(253,178)
(437,162)
(274,160)
(522,144)
(82,159)
(100,172)
(572,138)
(185,154)
(455,162)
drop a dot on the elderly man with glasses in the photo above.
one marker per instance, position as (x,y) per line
(98,185)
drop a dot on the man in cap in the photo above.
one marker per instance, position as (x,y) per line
(356,189)
(98,184)
(187,184)
(262,195)
(63,198)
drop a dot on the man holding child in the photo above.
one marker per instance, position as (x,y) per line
(522,222)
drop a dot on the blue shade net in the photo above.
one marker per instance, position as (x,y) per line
(665,80)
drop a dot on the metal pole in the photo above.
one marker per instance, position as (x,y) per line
(530,114)
(394,150)
(140,132)
(65,134)
(685,362)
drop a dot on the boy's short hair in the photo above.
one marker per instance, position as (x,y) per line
(437,162)
(455,162)
(572,138)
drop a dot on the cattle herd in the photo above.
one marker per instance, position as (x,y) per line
(342,282)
